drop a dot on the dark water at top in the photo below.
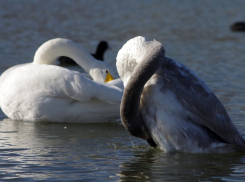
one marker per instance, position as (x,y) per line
(196,33)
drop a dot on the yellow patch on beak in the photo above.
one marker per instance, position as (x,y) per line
(109,77)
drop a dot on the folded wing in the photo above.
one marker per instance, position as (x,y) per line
(202,106)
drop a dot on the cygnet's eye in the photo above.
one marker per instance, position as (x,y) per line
(109,77)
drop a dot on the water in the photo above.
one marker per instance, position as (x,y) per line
(196,33)
(37,151)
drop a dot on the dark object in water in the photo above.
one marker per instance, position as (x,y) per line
(99,54)
(238,26)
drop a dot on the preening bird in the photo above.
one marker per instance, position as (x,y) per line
(40,91)
(168,105)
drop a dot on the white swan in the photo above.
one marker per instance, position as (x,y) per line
(168,105)
(39,91)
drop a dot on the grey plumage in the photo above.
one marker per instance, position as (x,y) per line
(167,104)
(203,107)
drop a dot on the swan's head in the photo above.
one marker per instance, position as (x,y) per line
(132,52)
(102,71)
(101,75)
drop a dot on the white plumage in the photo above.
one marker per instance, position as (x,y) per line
(40,91)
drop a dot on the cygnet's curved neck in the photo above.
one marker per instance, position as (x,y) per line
(130,113)
(51,50)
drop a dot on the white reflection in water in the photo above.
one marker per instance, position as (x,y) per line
(104,151)
(49,150)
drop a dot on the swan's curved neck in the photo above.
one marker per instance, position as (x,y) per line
(130,113)
(51,50)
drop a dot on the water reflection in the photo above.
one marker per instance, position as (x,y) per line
(153,165)
(63,151)
(55,151)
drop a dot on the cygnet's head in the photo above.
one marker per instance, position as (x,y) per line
(132,52)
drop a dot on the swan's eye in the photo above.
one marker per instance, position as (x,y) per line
(109,77)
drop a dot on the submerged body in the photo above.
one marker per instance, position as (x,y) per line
(176,109)
(41,92)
